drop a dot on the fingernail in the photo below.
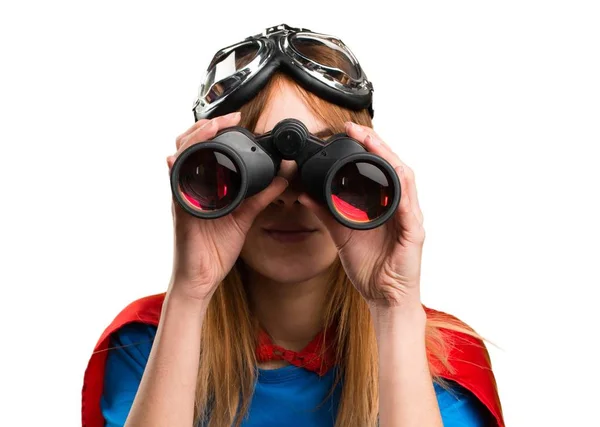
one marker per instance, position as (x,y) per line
(286,182)
(233,115)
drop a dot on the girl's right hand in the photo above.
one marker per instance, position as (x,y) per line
(206,250)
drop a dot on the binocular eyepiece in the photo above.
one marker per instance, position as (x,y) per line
(210,179)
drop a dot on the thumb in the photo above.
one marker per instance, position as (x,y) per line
(252,206)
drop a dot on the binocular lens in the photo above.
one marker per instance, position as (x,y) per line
(209,180)
(361,192)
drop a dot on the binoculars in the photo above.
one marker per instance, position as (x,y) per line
(210,179)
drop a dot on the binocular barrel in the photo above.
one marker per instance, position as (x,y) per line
(210,179)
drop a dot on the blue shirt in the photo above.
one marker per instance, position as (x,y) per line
(285,396)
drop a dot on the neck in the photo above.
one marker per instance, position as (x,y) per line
(291,313)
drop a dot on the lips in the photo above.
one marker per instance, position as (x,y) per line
(289,228)
(289,234)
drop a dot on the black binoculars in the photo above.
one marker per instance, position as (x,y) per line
(210,179)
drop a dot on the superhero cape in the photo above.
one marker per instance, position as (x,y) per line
(468,356)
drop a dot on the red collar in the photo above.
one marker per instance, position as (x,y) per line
(313,357)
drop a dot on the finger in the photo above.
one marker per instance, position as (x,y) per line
(338,232)
(375,146)
(209,129)
(405,217)
(194,127)
(176,209)
(360,132)
(411,189)
(252,206)
(373,143)
(170,162)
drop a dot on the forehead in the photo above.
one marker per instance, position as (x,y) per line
(286,103)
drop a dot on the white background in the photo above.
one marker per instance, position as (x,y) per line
(495,105)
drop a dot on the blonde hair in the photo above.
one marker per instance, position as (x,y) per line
(228,363)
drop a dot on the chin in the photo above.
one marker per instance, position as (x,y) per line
(299,272)
(291,263)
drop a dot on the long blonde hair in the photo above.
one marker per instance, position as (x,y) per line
(228,363)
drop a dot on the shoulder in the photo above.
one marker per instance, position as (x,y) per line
(458,354)
(144,310)
(135,323)
(459,407)
(455,339)
(127,355)
(128,352)
(131,335)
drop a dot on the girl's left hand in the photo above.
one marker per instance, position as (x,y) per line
(384,263)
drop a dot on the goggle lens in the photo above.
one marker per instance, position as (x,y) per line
(220,77)
(336,55)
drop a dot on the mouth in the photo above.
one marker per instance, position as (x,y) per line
(290,236)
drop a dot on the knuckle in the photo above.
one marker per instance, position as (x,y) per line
(221,121)
(184,144)
(198,124)
(374,134)
(199,135)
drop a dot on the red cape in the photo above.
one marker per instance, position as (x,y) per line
(469,357)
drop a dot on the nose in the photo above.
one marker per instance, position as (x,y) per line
(288,169)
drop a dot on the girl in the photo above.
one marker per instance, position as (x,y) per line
(277,314)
